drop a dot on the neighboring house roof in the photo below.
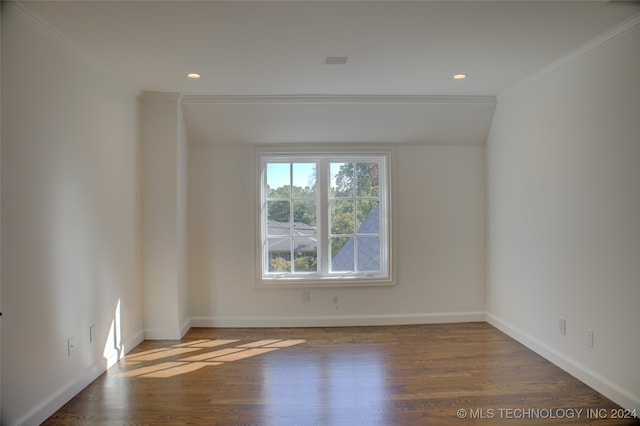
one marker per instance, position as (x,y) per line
(368,247)
(307,245)
(282,228)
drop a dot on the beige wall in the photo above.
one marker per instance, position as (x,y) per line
(438,232)
(164,217)
(562,166)
(564,204)
(70,220)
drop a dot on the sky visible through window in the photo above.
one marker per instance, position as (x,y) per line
(304,174)
(278,174)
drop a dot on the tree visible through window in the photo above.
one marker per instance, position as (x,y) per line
(324,217)
(355,219)
(292,212)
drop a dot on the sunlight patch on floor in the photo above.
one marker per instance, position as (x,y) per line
(207,357)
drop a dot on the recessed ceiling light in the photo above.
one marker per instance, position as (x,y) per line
(459,76)
(193,75)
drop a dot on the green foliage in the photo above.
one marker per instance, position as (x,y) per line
(365,179)
(279,211)
(337,244)
(304,210)
(301,264)
(342,217)
(355,191)
(368,184)
(306,264)
(346,217)
(285,191)
(279,264)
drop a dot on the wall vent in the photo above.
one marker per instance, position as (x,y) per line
(335,60)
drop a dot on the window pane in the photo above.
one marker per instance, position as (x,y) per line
(342,217)
(368,254)
(304,217)
(368,180)
(279,252)
(368,217)
(342,254)
(278,180)
(306,255)
(278,217)
(324,217)
(342,179)
(304,180)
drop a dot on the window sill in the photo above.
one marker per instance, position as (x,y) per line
(329,282)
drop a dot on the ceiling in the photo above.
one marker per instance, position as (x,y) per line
(249,50)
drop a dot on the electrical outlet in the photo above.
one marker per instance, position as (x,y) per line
(71,345)
(306,296)
(562,326)
(589,339)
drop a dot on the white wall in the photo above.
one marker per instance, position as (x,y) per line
(70,220)
(439,219)
(164,217)
(0,218)
(564,211)
(182,217)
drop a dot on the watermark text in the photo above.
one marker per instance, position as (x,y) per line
(546,413)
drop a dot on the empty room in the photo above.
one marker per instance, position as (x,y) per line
(320,212)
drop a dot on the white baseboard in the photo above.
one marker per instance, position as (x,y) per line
(161,334)
(185,327)
(337,320)
(609,389)
(46,408)
(134,341)
(168,334)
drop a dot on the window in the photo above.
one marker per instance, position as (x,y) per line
(324,219)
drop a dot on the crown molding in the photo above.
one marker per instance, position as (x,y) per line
(615,32)
(161,96)
(339,99)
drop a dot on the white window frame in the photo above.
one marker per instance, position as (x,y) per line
(324,278)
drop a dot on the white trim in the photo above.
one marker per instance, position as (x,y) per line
(323,279)
(168,334)
(185,327)
(162,334)
(330,282)
(617,31)
(621,396)
(337,320)
(134,341)
(50,405)
(113,355)
(340,99)
(53,403)
(161,96)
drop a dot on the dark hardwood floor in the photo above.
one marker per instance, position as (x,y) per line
(440,374)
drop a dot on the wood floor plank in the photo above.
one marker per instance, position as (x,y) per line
(441,374)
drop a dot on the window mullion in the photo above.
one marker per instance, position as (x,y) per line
(291,219)
(355,216)
(324,212)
